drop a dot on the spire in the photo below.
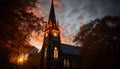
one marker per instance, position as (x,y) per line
(52,17)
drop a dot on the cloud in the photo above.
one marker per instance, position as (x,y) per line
(40,10)
(75,13)
(79,12)
(94,8)
(37,40)
(58,5)
(64,34)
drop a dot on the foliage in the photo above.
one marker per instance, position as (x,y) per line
(100,40)
(16,23)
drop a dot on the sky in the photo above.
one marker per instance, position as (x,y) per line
(72,14)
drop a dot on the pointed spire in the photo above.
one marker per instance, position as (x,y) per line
(52,17)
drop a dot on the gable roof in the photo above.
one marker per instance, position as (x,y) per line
(69,49)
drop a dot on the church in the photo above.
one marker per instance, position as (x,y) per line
(54,54)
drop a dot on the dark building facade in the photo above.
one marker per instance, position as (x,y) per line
(54,54)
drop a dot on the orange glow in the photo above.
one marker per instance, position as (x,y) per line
(19,59)
(45,54)
(65,39)
(37,40)
(55,53)
(66,63)
(55,31)
(13,58)
(46,34)
(22,58)
(55,34)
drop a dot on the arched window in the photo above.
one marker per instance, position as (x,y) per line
(66,63)
(45,53)
(55,53)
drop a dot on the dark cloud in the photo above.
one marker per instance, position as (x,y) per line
(70,12)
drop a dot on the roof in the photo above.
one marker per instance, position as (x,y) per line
(69,49)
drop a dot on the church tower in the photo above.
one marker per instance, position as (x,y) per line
(51,53)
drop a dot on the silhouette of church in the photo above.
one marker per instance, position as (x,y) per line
(54,54)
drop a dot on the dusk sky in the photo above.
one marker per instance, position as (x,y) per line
(72,14)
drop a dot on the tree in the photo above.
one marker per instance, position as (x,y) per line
(16,25)
(100,40)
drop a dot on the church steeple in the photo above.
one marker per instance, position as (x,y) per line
(51,52)
(52,17)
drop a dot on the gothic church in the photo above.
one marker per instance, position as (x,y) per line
(54,54)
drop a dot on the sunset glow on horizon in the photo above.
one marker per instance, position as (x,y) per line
(37,40)
(66,37)
(71,18)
